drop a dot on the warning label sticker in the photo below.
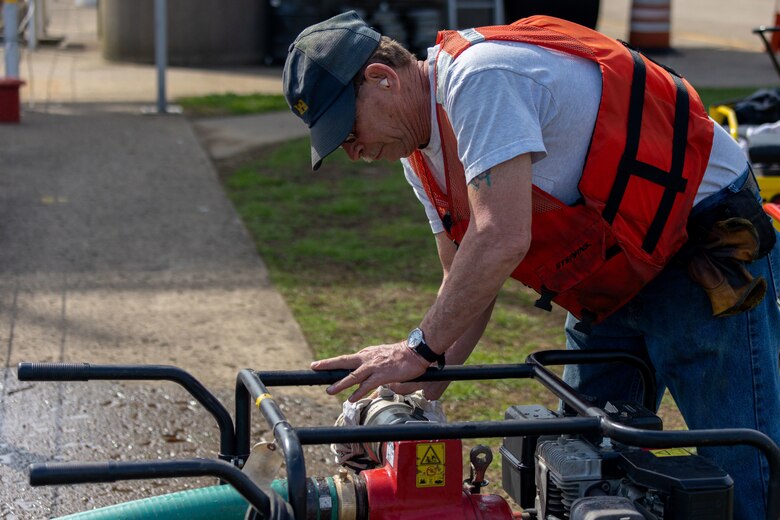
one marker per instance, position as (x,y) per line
(671,452)
(430,465)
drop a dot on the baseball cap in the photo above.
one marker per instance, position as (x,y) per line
(317,78)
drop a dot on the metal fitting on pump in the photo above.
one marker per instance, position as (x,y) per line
(345,489)
(382,408)
(341,496)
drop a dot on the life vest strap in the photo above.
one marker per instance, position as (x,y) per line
(630,166)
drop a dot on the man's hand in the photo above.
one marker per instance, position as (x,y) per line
(374,366)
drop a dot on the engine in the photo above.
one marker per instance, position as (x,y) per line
(579,478)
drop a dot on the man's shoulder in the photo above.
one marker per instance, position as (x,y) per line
(500,54)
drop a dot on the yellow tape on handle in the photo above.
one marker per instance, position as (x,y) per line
(260,399)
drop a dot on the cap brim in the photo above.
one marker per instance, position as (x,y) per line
(333,126)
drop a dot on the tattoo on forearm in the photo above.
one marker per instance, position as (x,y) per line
(483,179)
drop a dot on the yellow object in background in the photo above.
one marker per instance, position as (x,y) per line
(769,185)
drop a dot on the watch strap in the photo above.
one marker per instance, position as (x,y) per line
(429,355)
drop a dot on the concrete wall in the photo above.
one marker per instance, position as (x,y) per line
(200,32)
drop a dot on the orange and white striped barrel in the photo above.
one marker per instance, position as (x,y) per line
(650,24)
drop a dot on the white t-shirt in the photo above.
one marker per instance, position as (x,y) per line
(505,99)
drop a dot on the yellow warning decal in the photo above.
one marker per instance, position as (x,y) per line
(430,464)
(671,452)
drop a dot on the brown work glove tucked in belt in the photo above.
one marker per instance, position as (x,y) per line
(718,265)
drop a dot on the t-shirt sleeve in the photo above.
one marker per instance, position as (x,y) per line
(496,115)
(419,191)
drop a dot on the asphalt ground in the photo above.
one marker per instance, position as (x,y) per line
(118,245)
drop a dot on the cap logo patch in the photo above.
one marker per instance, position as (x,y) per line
(301,107)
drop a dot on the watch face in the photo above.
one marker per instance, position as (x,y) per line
(415,338)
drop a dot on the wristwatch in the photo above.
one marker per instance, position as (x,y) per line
(416,342)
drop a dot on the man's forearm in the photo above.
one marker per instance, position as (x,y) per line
(497,239)
(477,274)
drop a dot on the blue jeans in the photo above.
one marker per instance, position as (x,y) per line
(722,372)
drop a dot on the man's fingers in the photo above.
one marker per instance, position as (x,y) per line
(335,363)
(352,379)
(364,389)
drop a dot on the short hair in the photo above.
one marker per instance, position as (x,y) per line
(390,53)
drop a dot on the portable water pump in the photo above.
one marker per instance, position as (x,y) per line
(404,479)
(594,461)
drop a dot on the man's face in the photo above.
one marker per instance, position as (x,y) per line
(381,123)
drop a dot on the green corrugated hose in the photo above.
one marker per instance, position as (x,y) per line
(222,502)
(208,503)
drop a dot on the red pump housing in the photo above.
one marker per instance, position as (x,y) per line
(424,480)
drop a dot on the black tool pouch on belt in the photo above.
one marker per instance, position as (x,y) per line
(721,241)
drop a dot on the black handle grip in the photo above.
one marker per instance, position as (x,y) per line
(55,473)
(53,371)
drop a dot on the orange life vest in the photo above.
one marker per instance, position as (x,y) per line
(648,152)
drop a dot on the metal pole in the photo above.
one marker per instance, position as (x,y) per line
(498,12)
(10,29)
(452,14)
(161,51)
(32,27)
(42,22)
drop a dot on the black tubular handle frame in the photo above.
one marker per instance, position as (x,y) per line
(760,31)
(251,389)
(596,356)
(56,473)
(86,372)
(594,420)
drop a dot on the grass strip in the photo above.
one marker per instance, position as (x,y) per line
(231,104)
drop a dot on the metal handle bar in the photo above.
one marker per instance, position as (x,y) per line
(767,45)
(595,420)
(236,442)
(764,28)
(286,436)
(574,425)
(86,372)
(450,373)
(55,473)
(253,384)
(596,356)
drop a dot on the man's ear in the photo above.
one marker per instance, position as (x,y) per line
(382,75)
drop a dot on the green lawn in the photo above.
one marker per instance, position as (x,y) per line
(231,104)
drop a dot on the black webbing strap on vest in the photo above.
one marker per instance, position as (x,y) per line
(629,166)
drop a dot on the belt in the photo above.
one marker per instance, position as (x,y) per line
(746,182)
(732,202)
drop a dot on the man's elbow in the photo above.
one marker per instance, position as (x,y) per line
(509,249)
